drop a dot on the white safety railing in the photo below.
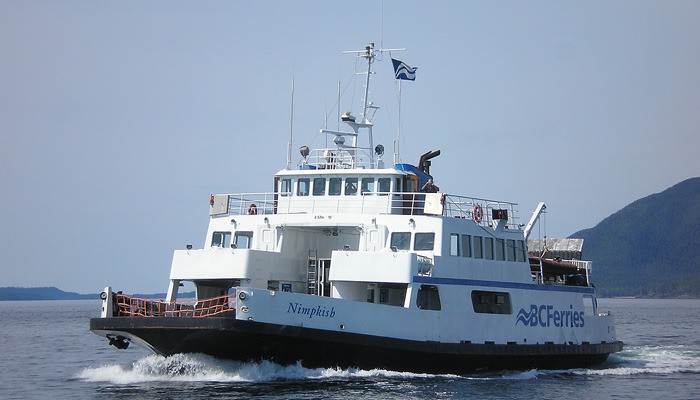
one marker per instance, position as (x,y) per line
(401,203)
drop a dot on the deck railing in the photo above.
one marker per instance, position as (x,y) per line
(405,203)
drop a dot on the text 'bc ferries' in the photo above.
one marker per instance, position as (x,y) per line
(351,262)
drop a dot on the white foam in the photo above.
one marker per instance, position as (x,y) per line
(201,368)
(152,368)
(652,360)
(636,360)
(523,375)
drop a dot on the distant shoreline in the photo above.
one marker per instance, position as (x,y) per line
(53,293)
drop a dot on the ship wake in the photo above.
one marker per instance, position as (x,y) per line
(202,368)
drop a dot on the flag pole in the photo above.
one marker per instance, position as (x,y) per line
(398,139)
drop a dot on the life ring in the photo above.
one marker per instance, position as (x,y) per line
(211,200)
(253,209)
(478,213)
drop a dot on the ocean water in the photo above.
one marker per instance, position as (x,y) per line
(47,351)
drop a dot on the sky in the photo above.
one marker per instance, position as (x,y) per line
(119,119)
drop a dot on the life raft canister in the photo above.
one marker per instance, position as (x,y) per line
(253,209)
(478,213)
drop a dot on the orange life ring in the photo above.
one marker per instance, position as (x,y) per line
(211,200)
(253,209)
(478,213)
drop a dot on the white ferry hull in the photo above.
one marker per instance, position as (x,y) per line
(325,332)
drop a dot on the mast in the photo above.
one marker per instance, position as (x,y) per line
(291,129)
(369,53)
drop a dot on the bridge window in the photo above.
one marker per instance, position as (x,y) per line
(285,187)
(428,298)
(334,185)
(410,185)
(350,186)
(478,247)
(384,185)
(221,239)
(367,185)
(400,240)
(520,251)
(500,250)
(454,244)
(510,250)
(303,187)
(466,245)
(243,240)
(488,248)
(491,302)
(424,241)
(319,186)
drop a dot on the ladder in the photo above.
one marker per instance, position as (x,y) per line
(312,273)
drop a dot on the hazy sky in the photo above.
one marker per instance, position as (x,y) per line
(118,119)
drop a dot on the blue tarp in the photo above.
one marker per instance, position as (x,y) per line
(422,176)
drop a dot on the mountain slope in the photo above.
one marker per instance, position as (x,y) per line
(651,247)
(53,293)
(41,293)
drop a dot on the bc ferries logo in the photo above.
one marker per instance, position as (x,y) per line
(545,316)
(318,311)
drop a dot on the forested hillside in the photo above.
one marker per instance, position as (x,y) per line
(651,247)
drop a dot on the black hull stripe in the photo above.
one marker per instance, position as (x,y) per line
(248,340)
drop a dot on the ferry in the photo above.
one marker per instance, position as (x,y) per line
(355,262)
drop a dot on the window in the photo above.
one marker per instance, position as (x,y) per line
(392,294)
(384,186)
(510,250)
(367,185)
(500,250)
(410,186)
(488,248)
(520,251)
(478,247)
(350,186)
(303,187)
(285,187)
(466,245)
(491,302)
(424,241)
(428,298)
(319,186)
(454,244)
(243,240)
(221,239)
(334,186)
(401,240)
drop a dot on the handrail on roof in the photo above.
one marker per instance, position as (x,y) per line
(340,158)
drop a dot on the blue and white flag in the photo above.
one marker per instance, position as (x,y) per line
(403,71)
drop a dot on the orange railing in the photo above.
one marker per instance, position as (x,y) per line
(128,306)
